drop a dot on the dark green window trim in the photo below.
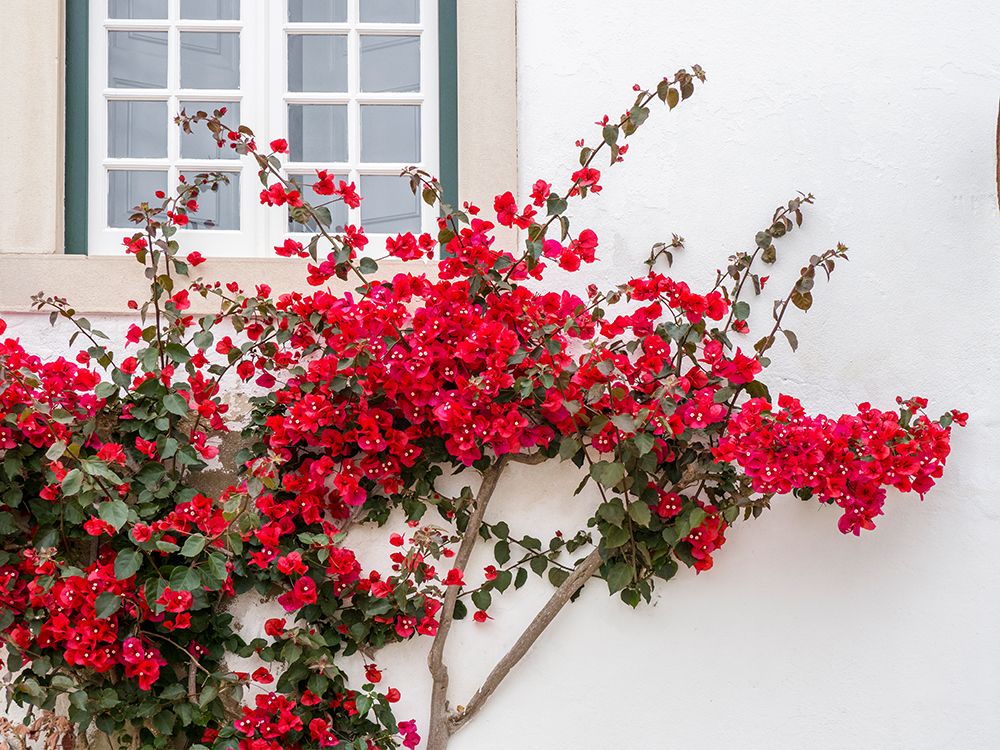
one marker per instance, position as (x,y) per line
(77,116)
(448,98)
(77,105)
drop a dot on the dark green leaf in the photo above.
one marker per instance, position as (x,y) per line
(127,564)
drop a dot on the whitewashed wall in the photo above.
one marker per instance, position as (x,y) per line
(886,111)
(800,637)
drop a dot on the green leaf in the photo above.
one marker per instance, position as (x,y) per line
(557,576)
(127,564)
(72,482)
(612,512)
(741,310)
(368,265)
(482,599)
(185,579)
(619,576)
(193,545)
(175,404)
(322,214)
(217,568)
(177,353)
(521,578)
(615,537)
(56,451)
(666,570)
(554,205)
(502,581)
(106,605)
(531,543)
(539,564)
(624,422)
(643,443)
(105,390)
(607,473)
(114,512)
(639,512)
(501,551)
(164,722)
(630,597)
(793,340)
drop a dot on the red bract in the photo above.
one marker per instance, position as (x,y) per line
(848,461)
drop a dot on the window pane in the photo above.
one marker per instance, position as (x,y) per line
(200,143)
(137,8)
(210,10)
(317,132)
(127,189)
(323,11)
(137,59)
(217,209)
(390,63)
(338,210)
(210,60)
(389,206)
(137,129)
(390,11)
(390,133)
(317,62)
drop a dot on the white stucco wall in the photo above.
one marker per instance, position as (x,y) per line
(886,111)
(799,637)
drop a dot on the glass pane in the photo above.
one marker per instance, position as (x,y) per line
(137,129)
(210,60)
(337,210)
(127,189)
(317,62)
(390,63)
(389,206)
(217,209)
(390,11)
(210,10)
(200,143)
(390,133)
(137,59)
(317,132)
(322,11)
(137,8)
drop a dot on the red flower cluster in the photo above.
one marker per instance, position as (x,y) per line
(56,385)
(848,461)
(66,608)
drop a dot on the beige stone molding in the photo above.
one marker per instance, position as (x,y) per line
(105,284)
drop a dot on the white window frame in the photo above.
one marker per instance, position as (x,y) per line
(263,98)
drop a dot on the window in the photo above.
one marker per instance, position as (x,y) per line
(352,84)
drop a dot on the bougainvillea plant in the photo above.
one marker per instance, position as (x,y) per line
(120,563)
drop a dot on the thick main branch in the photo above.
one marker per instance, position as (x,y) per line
(580,575)
(438,731)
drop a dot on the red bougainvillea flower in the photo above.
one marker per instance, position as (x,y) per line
(175,601)
(274,627)
(454,578)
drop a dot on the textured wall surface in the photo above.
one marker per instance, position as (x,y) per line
(30,48)
(886,111)
(799,637)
